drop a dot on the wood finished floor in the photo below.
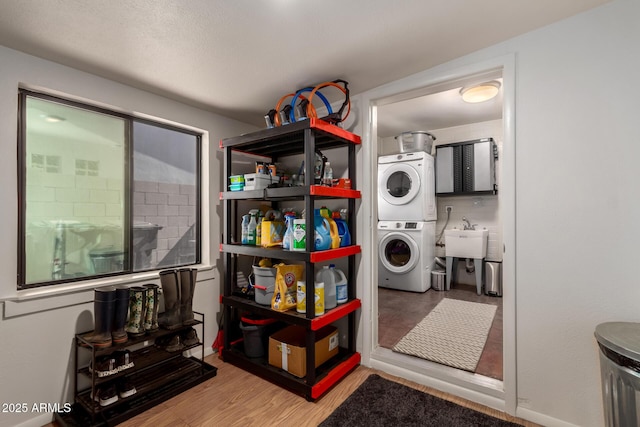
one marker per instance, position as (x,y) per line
(237,398)
(400,311)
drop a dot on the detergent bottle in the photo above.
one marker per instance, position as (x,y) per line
(328,277)
(322,232)
(342,292)
(333,228)
(343,230)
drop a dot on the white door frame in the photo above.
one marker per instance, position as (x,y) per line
(493,393)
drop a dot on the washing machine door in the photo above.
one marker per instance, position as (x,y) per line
(399,184)
(398,252)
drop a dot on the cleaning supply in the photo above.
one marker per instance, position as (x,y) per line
(298,242)
(287,240)
(251,230)
(259,229)
(343,230)
(322,232)
(245,229)
(342,292)
(328,277)
(318,298)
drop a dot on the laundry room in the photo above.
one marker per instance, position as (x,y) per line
(464,139)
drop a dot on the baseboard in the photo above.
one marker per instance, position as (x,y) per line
(542,419)
(37,421)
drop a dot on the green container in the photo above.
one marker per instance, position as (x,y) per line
(299,235)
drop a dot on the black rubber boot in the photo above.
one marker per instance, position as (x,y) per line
(151,316)
(170,319)
(103,311)
(118,334)
(187,286)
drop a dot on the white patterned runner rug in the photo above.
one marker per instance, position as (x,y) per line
(453,334)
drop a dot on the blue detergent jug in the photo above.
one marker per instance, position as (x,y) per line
(343,230)
(322,232)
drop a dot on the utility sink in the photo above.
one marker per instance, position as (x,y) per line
(466,243)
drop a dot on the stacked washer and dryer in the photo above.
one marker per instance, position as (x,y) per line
(407,218)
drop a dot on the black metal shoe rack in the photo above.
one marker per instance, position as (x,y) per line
(157,375)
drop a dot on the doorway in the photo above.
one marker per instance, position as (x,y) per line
(420,103)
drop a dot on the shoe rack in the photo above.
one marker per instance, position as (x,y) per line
(300,138)
(157,375)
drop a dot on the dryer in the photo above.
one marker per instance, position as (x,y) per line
(406,187)
(406,252)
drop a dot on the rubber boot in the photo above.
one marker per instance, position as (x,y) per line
(170,319)
(187,286)
(151,315)
(103,311)
(135,327)
(118,334)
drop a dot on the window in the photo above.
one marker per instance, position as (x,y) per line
(103,193)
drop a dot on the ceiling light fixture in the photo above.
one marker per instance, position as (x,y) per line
(481,92)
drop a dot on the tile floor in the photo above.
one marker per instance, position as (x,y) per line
(400,311)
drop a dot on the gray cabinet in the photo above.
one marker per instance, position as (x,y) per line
(466,167)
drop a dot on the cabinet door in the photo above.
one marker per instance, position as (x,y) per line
(444,170)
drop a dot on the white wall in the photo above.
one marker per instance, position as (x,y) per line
(36,355)
(577,202)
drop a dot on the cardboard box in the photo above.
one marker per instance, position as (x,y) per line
(287,348)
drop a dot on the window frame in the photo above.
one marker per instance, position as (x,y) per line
(128,213)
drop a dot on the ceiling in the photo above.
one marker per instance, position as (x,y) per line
(238,57)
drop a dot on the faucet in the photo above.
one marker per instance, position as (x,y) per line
(468,225)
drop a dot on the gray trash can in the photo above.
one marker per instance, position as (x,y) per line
(438,280)
(620,372)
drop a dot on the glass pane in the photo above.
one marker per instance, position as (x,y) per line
(74,222)
(397,252)
(165,198)
(399,184)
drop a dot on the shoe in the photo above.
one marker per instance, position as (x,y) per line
(190,338)
(118,332)
(124,360)
(170,319)
(170,343)
(106,395)
(187,286)
(135,326)
(105,366)
(126,388)
(103,312)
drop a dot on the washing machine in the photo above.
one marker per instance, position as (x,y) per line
(406,252)
(406,187)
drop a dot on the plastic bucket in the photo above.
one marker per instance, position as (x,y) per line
(255,336)
(264,284)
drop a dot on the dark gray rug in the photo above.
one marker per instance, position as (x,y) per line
(380,402)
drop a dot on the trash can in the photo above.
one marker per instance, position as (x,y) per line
(493,278)
(255,333)
(619,371)
(438,279)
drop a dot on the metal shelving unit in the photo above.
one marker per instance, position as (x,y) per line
(294,139)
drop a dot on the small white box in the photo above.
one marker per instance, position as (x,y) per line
(258,181)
